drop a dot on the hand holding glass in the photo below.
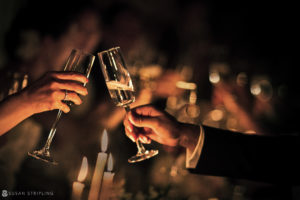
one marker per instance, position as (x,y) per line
(78,61)
(121,90)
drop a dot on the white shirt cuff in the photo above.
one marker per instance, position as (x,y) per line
(192,157)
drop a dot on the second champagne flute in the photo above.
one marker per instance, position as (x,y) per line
(78,61)
(121,90)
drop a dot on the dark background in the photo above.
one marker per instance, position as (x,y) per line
(260,35)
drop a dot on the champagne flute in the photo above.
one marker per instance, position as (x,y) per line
(78,61)
(121,90)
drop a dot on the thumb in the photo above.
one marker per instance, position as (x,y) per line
(143,121)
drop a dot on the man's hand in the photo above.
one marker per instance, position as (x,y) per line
(149,123)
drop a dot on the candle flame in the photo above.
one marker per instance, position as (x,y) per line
(104,141)
(83,170)
(110,163)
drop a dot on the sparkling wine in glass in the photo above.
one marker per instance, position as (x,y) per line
(78,61)
(121,90)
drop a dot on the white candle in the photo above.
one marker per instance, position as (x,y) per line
(99,169)
(107,184)
(77,185)
(77,190)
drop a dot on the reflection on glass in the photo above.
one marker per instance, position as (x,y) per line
(80,62)
(120,87)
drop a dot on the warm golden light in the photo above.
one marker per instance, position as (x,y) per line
(150,71)
(104,141)
(255,89)
(83,170)
(186,85)
(110,163)
(193,97)
(217,115)
(262,88)
(214,77)
(25,81)
(250,132)
(217,71)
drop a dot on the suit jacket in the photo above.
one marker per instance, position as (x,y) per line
(273,159)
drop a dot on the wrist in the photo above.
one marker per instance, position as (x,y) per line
(12,112)
(189,136)
(23,101)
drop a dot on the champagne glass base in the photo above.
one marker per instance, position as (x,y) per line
(143,156)
(42,155)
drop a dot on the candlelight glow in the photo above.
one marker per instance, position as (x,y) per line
(217,115)
(250,131)
(110,163)
(104,141)
(262,88)
(193,97)
(83,170)
(25,81)
(255,89)
(214,77)
(186,85)
(150,71)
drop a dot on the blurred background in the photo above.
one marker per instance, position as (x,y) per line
(230,65)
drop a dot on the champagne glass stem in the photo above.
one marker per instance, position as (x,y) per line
(52,131)
(140,147)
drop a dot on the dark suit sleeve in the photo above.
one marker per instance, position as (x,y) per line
(273,159)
